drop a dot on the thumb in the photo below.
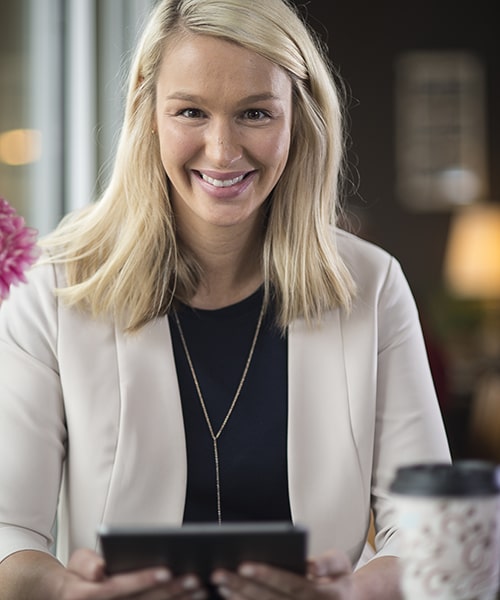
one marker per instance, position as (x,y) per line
(87,564)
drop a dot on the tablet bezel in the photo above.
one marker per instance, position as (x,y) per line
(201,548)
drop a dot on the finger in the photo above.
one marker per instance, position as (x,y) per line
(137,584)
(285,582)
(186,587)
(262,582)
(331,564)
(140,585)
(233,586)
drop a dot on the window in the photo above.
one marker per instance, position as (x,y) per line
(61,96)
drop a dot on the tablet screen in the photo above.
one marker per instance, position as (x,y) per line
(201,548)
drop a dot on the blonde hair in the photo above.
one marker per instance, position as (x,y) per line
(121,253)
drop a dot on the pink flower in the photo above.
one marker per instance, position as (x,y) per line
(18,249)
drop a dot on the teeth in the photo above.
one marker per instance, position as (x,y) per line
(221,182)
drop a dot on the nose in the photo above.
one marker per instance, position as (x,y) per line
(222,144)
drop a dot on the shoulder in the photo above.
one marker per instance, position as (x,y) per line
(42,279)
(373,269)
(357,252)
(365,260)
(29,315)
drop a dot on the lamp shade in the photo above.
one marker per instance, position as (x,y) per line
(472,257)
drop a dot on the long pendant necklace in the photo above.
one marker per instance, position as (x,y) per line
(215,435)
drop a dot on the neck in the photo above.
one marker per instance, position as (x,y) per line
(231,262)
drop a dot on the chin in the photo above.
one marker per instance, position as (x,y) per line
(231,218)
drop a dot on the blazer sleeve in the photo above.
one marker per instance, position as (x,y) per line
(408,422)
(32,427)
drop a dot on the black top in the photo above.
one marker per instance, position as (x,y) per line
(253,445)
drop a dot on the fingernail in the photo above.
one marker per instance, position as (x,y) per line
(162,575)
(190,582)
(247,570)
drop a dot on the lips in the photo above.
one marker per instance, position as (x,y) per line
(222,180)
(224,186)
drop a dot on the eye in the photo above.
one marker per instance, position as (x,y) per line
(256,114)
(191,113)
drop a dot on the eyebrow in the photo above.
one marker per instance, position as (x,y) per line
(199,100)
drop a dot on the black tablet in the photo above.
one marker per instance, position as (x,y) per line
(201,548)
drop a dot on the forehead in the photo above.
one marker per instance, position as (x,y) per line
(202,61)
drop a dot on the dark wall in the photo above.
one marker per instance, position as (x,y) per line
(364,39)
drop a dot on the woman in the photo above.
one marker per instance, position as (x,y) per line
(203,344)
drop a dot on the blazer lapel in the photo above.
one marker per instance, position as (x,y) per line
(322,455)
(150,452)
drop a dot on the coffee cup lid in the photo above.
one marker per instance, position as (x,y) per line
(462,478)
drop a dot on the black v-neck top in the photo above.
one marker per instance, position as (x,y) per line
(253,445)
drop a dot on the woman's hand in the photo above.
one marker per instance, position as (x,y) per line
(329,577)
(39,576)
(86,579)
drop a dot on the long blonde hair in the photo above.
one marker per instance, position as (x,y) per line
(121,254)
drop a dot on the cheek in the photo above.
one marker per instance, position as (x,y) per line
(277,151)
(175,149)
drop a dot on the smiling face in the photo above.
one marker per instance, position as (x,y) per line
(224,118)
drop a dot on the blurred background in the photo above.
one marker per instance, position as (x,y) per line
(422,84)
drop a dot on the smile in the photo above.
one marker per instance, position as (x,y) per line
(222,183)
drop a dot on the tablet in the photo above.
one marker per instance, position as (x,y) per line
(202,547)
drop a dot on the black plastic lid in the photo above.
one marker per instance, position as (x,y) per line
(462,478)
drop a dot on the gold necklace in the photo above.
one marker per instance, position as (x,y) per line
(213,435)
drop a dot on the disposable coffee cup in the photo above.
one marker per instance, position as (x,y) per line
(449,521)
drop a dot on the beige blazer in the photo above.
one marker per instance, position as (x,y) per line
(95,416)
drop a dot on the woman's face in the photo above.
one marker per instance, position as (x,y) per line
(224,118)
